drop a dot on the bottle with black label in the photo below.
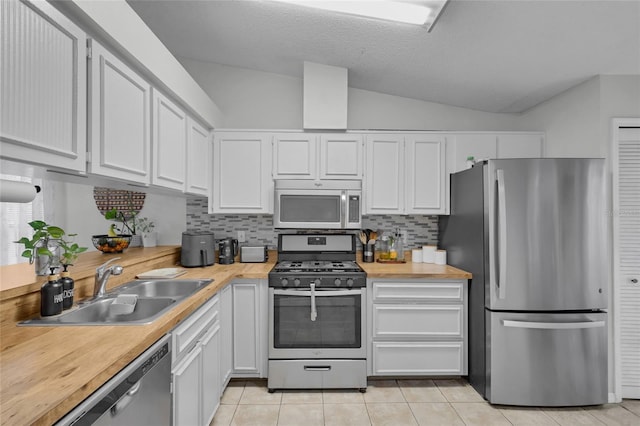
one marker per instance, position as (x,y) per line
(51,296)
(67,288)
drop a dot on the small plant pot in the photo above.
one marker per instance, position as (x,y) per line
(150,239)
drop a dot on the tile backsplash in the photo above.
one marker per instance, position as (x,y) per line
(259,228)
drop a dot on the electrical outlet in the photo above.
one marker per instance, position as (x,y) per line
(241,237)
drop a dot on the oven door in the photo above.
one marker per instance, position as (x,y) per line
(320,323)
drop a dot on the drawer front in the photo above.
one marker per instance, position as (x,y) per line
(418,291)
(317,374)
(418,359)
(393,322)
(185,334)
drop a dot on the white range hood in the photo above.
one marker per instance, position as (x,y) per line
(324,97)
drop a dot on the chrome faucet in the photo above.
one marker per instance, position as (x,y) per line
(102,276)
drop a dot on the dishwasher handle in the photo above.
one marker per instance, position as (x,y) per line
(126,399)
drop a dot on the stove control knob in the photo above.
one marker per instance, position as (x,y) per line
(337,282)
(349,282)
(284,282)
(317,282)
(296,282)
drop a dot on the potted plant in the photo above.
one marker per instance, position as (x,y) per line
(47,248)
(146,227)
(129,225)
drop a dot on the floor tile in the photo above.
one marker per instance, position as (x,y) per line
(256,393)
(420,391)
(458,390)
(346,414)
(435,414)
(480,414)
(572,416)
(383,391)
(232,394)
(526,416)
(301,397)
(301,414)
(632,405)
(390,414)
(342,397)
(224,415)
(614,414)
(256,415)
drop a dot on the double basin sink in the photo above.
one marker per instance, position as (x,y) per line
(154,298)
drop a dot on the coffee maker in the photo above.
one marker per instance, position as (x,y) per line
(198,249)
(227,251)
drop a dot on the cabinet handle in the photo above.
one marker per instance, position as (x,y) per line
(317,368)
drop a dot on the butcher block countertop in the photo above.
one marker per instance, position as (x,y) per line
(46,371)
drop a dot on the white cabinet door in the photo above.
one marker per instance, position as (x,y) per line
(242,167)
(169,143)
(226,335)
(294,156)
(43,86)
(418,358)
(464,145)
(246,328)
(340,156)
(198,159)
(397,322)
(186,378)
(120,119)
(384,181)
(520,145)
(211,389)
(426,176)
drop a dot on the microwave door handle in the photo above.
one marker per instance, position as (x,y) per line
(343,210)
(314,312)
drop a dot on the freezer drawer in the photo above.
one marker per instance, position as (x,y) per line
(546,359)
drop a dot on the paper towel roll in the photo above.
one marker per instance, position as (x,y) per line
(428,254)
(441,257)
(416,255)
(12,191)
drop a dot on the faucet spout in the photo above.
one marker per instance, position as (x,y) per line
(103,272)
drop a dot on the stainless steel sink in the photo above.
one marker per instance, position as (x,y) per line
(155,297)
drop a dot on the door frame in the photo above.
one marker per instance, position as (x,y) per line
(617,123)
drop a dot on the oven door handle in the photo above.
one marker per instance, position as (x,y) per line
(314,311)
(319,293)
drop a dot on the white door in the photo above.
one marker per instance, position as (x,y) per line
(294,156)
(626,254)
(186,378)
(226,335)
(425,172)
(341,156)
(384,180)
(169,143)
(198,159)
(246,328)
(211,388)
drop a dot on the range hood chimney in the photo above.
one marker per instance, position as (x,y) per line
(324,97)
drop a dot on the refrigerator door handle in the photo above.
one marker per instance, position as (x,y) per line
(502,235)
(553,325)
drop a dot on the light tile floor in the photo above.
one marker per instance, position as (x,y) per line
(440,402)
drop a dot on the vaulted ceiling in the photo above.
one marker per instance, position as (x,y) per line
(496,56)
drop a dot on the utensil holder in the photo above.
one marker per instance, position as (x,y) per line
(367,253)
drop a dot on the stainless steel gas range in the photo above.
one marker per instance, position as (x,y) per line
(317,328)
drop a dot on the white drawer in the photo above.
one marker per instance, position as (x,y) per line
(418,321)
(418,291)
(186,333)
(418,359)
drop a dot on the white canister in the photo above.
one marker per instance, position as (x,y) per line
(428,254)
(441,257)
(416,255)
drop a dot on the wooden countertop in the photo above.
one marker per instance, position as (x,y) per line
(46,371)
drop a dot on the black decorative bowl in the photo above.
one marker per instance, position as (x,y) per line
(107,244)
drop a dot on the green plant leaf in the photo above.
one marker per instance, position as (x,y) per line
(23,240)
(55,231)
(111,214)
(26,253)
(43,251)
(37,224)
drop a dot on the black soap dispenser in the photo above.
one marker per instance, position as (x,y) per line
(67,287)
(51,296)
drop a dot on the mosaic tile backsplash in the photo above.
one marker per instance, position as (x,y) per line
(259,229)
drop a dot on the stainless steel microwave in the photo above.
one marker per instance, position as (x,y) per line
(306,204)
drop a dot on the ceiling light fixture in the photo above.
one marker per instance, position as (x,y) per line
(410,12)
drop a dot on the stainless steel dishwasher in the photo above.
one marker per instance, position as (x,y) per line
(140,394)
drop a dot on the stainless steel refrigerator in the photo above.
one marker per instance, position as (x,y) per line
(533,233)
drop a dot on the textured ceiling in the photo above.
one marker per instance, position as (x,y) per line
(497,56)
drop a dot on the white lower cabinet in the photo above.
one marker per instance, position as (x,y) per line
(226,335)
(417,327)
(250,328)
(195,366)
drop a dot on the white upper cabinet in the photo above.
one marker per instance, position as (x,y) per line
(520,145)
(294,156)
(384,180)
(120,103)
(43,86)
(340,156)
(242,181)
(426,184)
(169,143)
(317,156)
(198,159)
